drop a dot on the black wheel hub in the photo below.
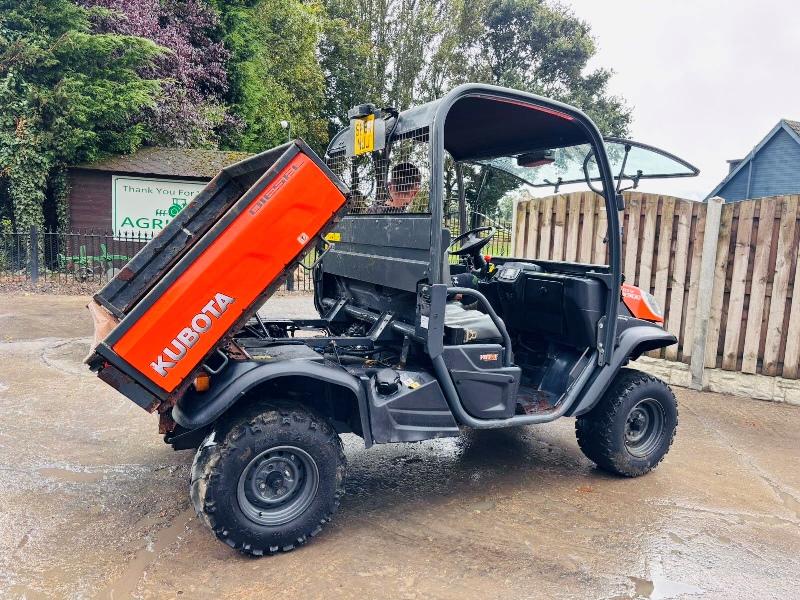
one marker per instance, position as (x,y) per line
(275,478)
(278,485)
(644,427)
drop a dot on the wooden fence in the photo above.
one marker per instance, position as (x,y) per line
(753,322)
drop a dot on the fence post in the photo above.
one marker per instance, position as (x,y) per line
(33,265)
(705,291)
(513,242)
(290,280)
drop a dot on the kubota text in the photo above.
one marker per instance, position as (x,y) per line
(188,336)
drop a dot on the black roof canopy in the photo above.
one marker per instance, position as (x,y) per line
(483,120)
(481,126)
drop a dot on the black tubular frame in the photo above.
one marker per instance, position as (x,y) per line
(463,417)
(433,115)
(454,400)
(508,355)
(437,157)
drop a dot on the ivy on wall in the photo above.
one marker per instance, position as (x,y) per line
(66,96)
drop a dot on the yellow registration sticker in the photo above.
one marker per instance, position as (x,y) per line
(334,237)
(364,135)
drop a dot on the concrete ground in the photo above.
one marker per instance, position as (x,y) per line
(94,505)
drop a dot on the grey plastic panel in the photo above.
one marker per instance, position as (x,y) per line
(392,250)
(417,411)
(488,395)
(632,341)
(195,410)
(487,389)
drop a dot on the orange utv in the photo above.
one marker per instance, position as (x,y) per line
(419,334)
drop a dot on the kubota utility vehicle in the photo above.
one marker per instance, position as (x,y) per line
(407,346)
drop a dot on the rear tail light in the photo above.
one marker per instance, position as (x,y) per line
(202,382)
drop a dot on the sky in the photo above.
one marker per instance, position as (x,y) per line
(706,79)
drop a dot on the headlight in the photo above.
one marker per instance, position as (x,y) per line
(642,304)
(652,304)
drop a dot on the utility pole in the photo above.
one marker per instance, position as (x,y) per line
(287,125)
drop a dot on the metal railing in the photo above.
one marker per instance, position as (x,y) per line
(88,260)
(65,258)
(84,260)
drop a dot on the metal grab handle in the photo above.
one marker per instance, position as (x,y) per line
(508,355)
(225,361)
(315,264)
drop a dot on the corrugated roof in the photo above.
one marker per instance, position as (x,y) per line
(177,162)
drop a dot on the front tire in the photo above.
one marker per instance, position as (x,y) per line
(268,480)
(632,427)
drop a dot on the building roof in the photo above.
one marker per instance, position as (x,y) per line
(795,125)
(790,127)
(175,162)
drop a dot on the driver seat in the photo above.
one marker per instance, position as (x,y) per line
(473,324)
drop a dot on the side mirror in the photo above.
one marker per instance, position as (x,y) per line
(536,159)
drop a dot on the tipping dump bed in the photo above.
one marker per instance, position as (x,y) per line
(210,269)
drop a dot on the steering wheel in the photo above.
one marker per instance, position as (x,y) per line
(471,242)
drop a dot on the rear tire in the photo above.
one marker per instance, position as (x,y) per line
(632,427)
(268,480)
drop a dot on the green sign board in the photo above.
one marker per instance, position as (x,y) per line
(141,206)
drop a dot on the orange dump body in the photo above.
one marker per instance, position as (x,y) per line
(220,282)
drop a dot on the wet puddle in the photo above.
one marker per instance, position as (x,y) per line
(125,584)
(69,476)
(659,588)
(68,356)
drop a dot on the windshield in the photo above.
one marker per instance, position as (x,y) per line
(574,164)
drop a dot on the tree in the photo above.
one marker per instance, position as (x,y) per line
(66,96)
(275,72)
(452,61)
(545,49)
(191,109)
(412,51)
(404,52)
(385,45)
(344,60)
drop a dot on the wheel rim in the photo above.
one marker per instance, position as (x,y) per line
(278,485)
(644,427)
